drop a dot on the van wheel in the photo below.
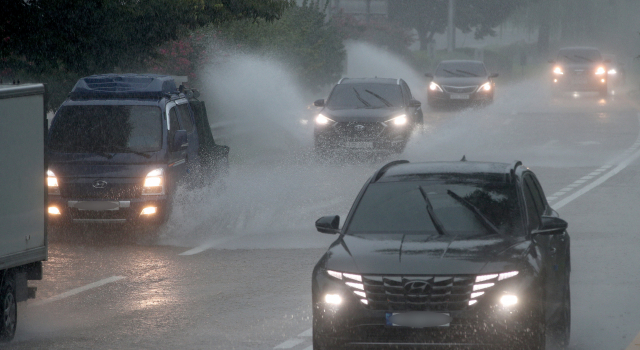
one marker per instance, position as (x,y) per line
(9,308)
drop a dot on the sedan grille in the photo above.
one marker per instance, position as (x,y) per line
(460,89)
(418,293)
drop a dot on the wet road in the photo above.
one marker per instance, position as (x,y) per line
(232,270)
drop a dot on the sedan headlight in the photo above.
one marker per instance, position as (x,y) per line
(435,87)
(486,87)
(600,71)
(558,70)
(399,120)
(612,71)
(52,183)
(154,182)
(322,120)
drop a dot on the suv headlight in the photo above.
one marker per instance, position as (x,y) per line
(322,120)
(154,182)
(353,281)
(484,282)
(486,87)
(558,70)
(52,183)
(399,120)
(600,71)
(435,87)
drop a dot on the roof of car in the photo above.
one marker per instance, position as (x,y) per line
(461,61)
(487,170)
(579,48)
(151,86)
(369,81)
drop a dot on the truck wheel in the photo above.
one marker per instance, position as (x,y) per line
(9,309)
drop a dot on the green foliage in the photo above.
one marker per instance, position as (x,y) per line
(311,48)
(42,38)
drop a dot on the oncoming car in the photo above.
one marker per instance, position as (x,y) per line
(460,81)
(580,69)
(369,114)
(441,254)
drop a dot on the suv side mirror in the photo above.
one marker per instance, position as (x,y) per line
(428,75)
(180,141)
(328,224)
(551,226)
(319,103)
(494,75)
(414,103)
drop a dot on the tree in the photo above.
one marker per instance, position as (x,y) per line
(429,17)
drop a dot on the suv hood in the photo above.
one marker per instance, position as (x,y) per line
(397,254)
(363,114)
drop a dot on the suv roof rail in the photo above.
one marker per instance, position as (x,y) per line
(343,79)
(147,86)
(386,167)
(512,170)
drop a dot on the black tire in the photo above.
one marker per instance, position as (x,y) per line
(8,308)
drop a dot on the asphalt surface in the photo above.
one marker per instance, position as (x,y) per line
(232,269)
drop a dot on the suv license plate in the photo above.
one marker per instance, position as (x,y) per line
(358,144)
(459,96)
(418,319)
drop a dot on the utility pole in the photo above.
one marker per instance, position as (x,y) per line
(451,28)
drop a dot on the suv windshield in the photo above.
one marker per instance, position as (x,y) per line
(348,96)
(579,56)
(399,207)
(81,129)
(460,69)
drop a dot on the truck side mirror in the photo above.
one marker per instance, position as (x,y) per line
(328,224)
(180,141)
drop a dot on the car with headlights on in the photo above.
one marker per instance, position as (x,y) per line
(368,114)
(445,254)
(458,82)
(119,146)
(580,69)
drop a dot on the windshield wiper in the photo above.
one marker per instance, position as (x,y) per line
(584,58)
(129,150)
(361,99)
(478,214)
(465,72)
(432,214)
(380,98)
(452,73)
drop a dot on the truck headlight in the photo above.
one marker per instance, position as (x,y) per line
(52,183)
(154,182)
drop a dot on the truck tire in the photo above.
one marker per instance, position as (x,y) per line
(8,308)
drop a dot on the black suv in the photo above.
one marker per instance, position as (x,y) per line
(580,69)
(372,114)
(120,144)
(441,254)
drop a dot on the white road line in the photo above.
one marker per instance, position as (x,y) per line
(558,194)
(589,177)
(566,189)
(77,290)
(309,348)
(579,181)
(289,343)
(597,182)
(306,333)
(197,250)
(551,198)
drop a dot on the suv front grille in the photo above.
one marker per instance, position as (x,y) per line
(418,293)
(459,89)
(354,130)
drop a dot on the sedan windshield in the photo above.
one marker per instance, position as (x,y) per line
(89,129)
(463,209)
(460,69)
(348,96)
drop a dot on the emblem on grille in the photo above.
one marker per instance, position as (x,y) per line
(417,287)
(359,127)
(99,184)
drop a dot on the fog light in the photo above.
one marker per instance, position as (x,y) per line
(54,211)
(148,211)
(508,300)
(333,299)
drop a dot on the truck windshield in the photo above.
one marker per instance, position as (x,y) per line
(82,129)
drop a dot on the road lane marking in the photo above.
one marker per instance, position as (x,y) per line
(77,290)
(309,348)
(289,343)
(599,181)
(306,333)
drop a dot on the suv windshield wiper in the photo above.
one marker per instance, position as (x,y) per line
(465,72)
(432,214)
(380,98)
(367,104)
(476,212)
(129,150)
